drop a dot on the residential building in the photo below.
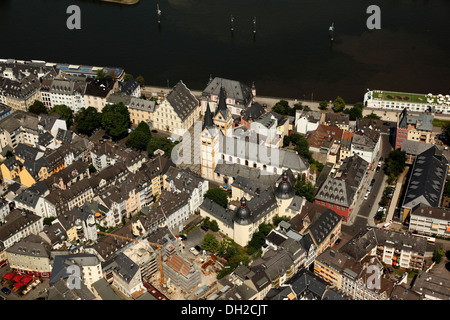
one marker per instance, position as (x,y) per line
(68,91)
(89,269)
(413,127)
(340,120)
(430,221)
(305,285)
(124,274)
(98,90)
(339,193)
(366,144)
(30,256)
(324,143)
(181,181)
(141,110)
(19,95)
(18,225)
(132,88)
(306,121)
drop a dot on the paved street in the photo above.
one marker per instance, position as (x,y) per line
(365,210)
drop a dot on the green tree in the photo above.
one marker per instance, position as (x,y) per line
(218,196)
(48,221)
(64,112)
(37,108)
(141,80)
(127,77)
(100,74)
(162,143)
(298,106)
(323,105)
(256,242)
(86,120)
(277,219)
(116,119)
(304,188)
(92,169)
(438,254)
(354,113)
(396,162)
(211,224)
(140,137)
(210,243)
(265,228)
(286,141)
(282,107)
(338,104)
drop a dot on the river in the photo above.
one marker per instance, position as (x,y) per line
(291,55)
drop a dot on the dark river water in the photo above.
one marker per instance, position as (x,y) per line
(290,56)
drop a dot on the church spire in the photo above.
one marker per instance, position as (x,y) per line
(222,104)
(208,120)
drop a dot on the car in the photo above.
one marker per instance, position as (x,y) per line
(198,248)
(183,237)
(106,137)
(155,131)
(5,290)
(390,270)
(204,228)
(378,169)
(194,251)
(338,241)
(381,159)
(372,182)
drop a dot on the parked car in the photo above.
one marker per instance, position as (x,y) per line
(155,131)
(5,290)
(338,241)
(204,228)
(183,237)
(194,251)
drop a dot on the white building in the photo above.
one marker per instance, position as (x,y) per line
(307,121)
(389,100)
(366,144)
(179,181)
(430,221)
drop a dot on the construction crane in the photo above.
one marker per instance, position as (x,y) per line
(163,283)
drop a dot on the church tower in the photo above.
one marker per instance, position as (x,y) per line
(209,146)
(223,120)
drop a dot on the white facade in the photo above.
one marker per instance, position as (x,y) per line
(175,220)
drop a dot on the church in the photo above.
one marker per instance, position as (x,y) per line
(219,146)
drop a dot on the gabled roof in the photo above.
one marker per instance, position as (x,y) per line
(427,179)
(236,90)
(182,100)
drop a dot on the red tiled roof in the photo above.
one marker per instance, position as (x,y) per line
(8,276)
(17,278)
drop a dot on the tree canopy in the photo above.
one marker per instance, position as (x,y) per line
(210,243)
(338,104)
(396,162)
(86,120)
(161,143)
(64,112)
(282,107)
(116,119)
(304,188)
(37,108)
(140,137)
(218,196)
(323,105)
(100,73)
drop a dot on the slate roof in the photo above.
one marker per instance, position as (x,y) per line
(323,227)
(427,179)
(182,100)
(433,213)
(280,158)
(253,112)
(99,87)
(130,86)
(62,262)
(422,122)
(16,220)
(123,266)
(415,147)
(236,90)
